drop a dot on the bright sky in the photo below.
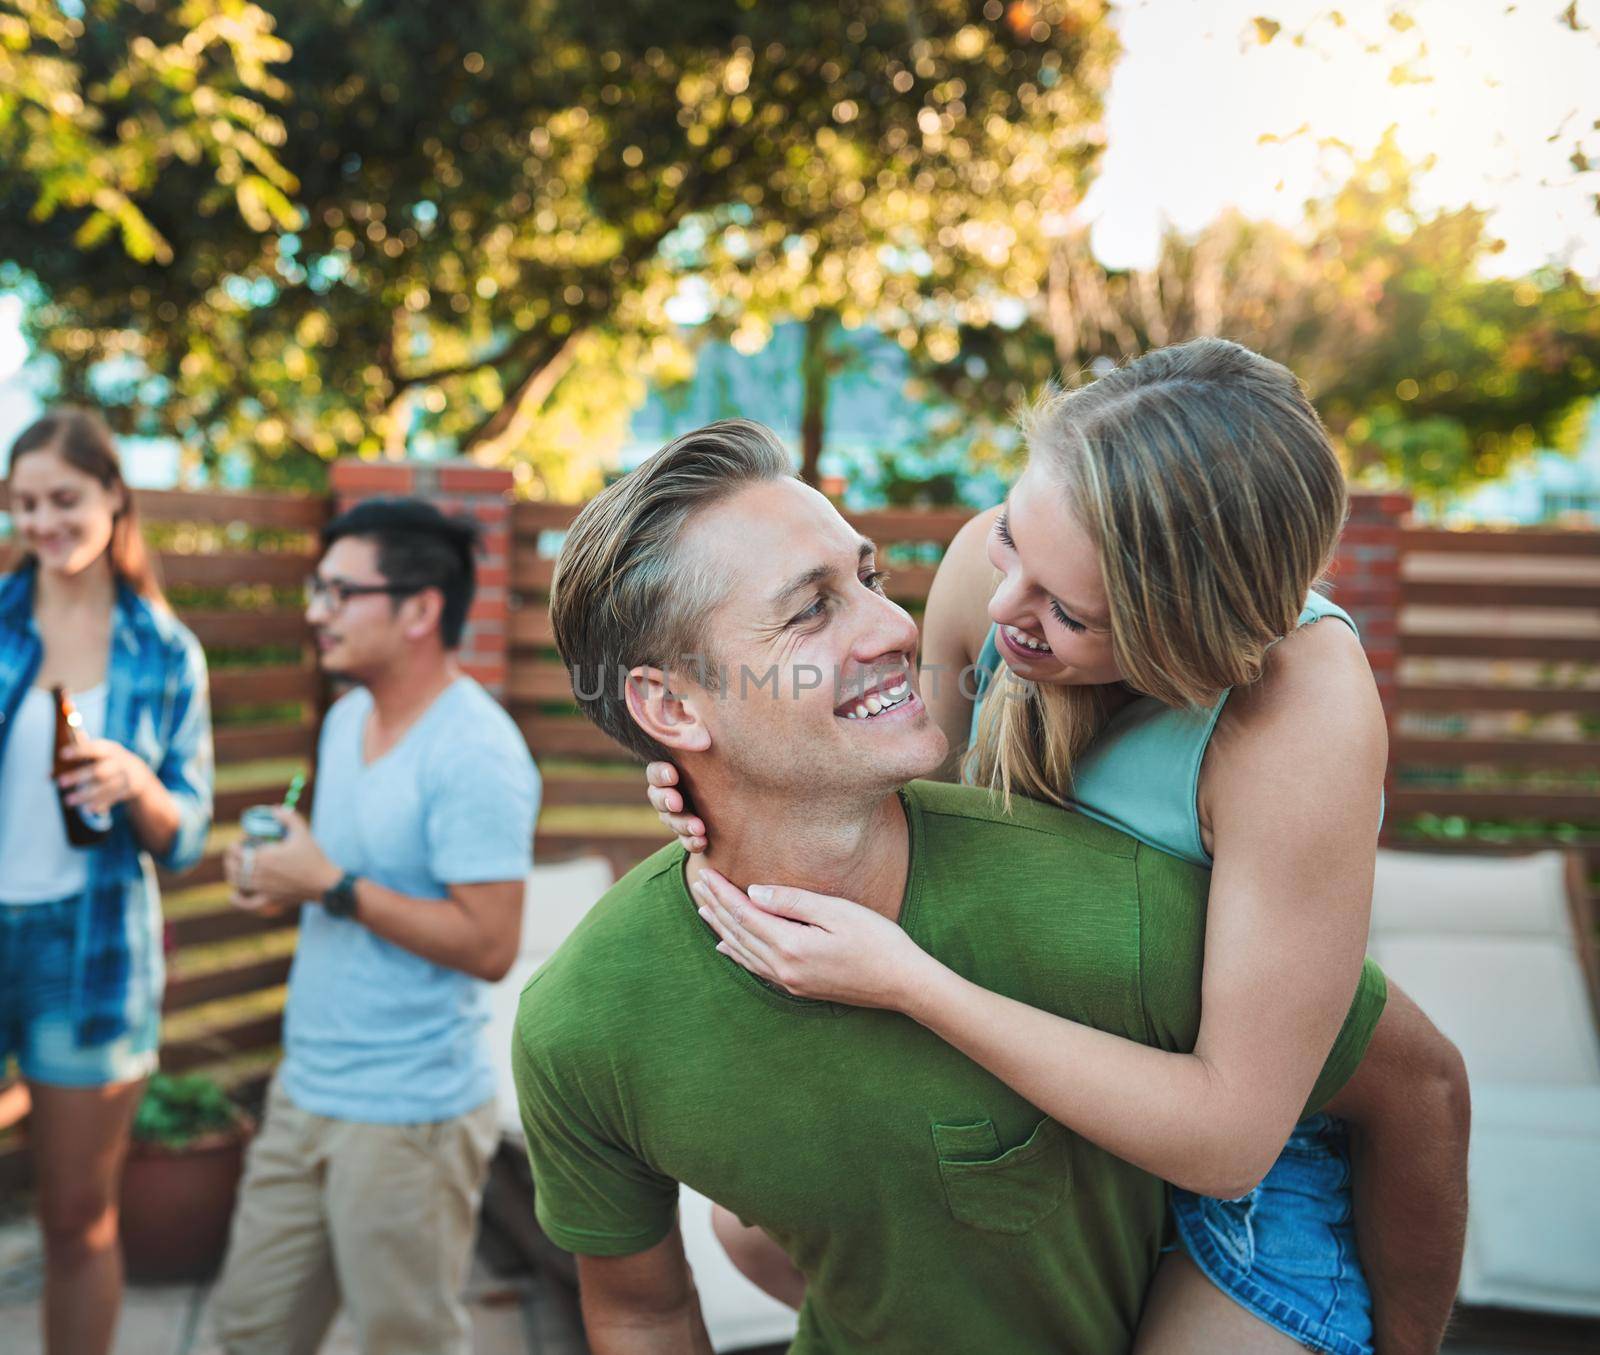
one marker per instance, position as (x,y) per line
(13,348)
(1196,91)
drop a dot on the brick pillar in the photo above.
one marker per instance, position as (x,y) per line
(1366,581)
(460,489)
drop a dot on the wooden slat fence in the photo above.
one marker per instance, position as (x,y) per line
(1496,725)
(232,564)
(1496,716)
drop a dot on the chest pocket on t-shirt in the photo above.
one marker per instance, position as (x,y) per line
(1002,1192)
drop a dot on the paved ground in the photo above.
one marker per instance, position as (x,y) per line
(538,1316)
(520,1316)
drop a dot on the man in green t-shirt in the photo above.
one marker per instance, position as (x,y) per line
(712,608)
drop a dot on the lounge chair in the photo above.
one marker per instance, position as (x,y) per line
(1500,952)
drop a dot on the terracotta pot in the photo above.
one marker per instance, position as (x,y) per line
(177,1204)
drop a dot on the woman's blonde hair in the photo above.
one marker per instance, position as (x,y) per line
(1215,501)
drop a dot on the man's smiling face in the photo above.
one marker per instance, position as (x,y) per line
(818,684)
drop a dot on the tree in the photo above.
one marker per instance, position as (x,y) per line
(86,133)
(1428,370)
(937,217)
(495,203)
(1398,43)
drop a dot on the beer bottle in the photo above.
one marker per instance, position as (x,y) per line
(84,828)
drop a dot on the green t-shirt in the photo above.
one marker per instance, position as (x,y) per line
(929,1207)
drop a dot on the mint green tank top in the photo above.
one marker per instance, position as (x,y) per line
(1142,774)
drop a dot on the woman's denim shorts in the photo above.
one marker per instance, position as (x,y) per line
(37,945)
(1287,1251)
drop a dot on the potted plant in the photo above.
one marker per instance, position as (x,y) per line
(181,1178)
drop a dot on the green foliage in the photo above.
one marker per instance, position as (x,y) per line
(176,1110)
(95,110)
(941,489)
(1429,372)
(495,202)
(327,228)
(1499,832)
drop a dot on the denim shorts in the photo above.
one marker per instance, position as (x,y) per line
(1287,1251)
(37,945)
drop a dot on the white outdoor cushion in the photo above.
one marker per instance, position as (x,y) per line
(1433,893)
(737,1314)
(1533,1239)
(501,1028)
(1486,946)
(555,900)
(1517,1008)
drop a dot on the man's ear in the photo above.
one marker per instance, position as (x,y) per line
(671,717)
(421,612)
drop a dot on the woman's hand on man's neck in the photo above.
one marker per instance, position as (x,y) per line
(857,852)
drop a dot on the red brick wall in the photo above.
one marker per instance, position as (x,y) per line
(1366,580)
(460,489)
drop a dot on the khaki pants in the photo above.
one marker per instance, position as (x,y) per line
(379,1217)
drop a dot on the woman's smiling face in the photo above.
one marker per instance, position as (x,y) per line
(62,515)
(1051,603)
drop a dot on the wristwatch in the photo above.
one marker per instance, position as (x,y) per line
(340,900)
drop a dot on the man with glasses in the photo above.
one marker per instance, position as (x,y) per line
(363,1183)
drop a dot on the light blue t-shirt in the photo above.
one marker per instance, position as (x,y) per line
(1141,775)
(371,1031)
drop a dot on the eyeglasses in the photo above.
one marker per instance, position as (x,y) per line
(336,592)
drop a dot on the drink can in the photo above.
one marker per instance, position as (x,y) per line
(261,825)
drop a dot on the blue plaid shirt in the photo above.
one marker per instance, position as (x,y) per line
(157,705)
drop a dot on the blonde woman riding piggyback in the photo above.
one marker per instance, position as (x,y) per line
(1134,634)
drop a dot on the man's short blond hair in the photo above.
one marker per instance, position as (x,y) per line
(623,596)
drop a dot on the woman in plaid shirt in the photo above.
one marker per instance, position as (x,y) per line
(80,928)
